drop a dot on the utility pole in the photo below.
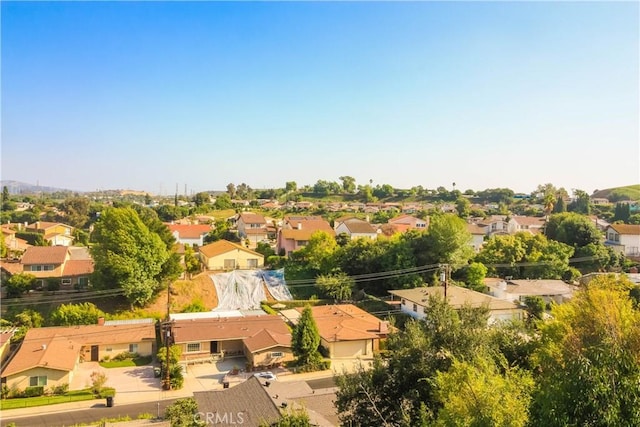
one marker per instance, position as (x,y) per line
(444,277)
(167,336)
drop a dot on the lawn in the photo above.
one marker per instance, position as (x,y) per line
(138,361)
(26,402)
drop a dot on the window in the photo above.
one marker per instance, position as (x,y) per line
(38,381)
(229,264)
(109,349)
(277,354)
(36,268)
(193,346)
(403,301)
(47,267)
(133,348)
(66,281)
(415,307)
(252,263)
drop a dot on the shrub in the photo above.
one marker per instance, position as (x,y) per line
(98,380)
(60,389)
(33,391)
(125,355)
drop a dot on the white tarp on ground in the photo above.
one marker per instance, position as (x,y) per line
(277,287)
(244,290)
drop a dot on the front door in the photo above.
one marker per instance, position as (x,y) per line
(94,353)
(214,347)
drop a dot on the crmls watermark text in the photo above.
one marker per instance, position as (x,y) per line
(221,418)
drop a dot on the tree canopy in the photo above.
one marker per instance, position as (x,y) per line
(127,255)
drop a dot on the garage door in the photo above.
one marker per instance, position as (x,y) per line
(350,348)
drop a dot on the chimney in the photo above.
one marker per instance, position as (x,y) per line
(383,327)
(299,226)
(44,346)
(101,321)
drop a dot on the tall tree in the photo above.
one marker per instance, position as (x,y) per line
(290,186)
(75,314)
(127,255)
(338,286)
(305,340)
(319,251)
(589,362)
(231,190)
(348,183)
(77,211)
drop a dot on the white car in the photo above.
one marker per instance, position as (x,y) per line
(266,375)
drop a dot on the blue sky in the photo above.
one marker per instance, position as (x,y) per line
(147,95)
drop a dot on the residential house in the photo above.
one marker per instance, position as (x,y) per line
(225,255)
(415,302)
(5,344)
(297,230)
(265,340)
(71,266)
(50,356)
(55,233)
(477,236)
(190,234)
(408,222)
(624,238)
(346,331)
(530,224)
(494,224)
(252,228)
(355,228)
(248,404)
(15,245)
(549,290)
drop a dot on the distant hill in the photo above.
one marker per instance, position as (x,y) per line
(17,187)
(630,192)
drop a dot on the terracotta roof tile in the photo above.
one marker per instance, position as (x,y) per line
(223,246)
(78,267)
(252,218)
(345,322)
(227,328)
(44,255)
(190,231)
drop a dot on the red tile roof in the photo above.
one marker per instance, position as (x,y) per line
(252,218)
(190,231)
(231,328)
(345,322)
(223,246)
(78,267)
(44,255)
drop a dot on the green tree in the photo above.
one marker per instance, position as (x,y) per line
(319,252)
(291,418)
(573,229)
(305,339)
(477,393)
(446,241)
(184,413)
(19,284)
(348,183)
(222,202)
(535,307)
(265,249)
(475,274)
(191,261)
(290,186)
(7,204)
(589,362)
(28,318)
(202,198)
(581,203)
(463,207)
(231,190)
(127,255)
(85,313)
(338,286)
(3,247)
(560,205)
(77,211)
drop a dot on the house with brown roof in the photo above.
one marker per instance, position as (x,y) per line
(346,331)
(15,245)
(356,228)
(410,222)
(252,227)
(415,302)
(71,266)
(5,343)
(247,404)
(226,255)
(527,224)
(297,230)
(53,232)
(49,356)
(477,236)
(264,340)
(494,224)
(190,234)
(624,238)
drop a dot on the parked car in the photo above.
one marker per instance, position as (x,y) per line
(266,375)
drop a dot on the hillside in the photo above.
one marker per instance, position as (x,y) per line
(630,192)
(186,292)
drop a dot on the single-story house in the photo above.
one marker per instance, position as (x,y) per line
(549,290)
(415,302)
(49,356)
(346,331)
(409,222)
(522,223)
(263,340)
(248,404)
(356,228)
(190,234)
(226,255)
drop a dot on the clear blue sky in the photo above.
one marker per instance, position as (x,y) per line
(147,95)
